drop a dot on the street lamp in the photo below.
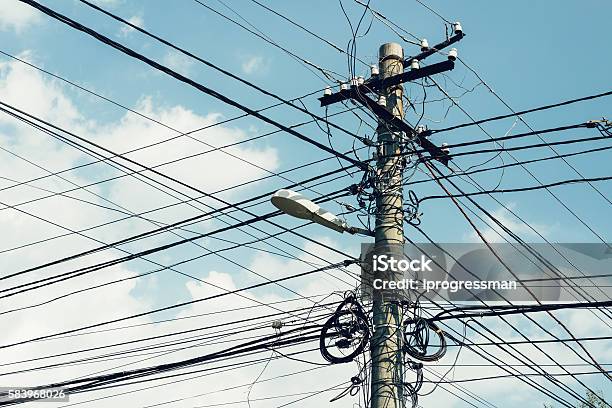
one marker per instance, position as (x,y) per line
(298,206)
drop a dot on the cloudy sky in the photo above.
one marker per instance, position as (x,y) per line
(58,199)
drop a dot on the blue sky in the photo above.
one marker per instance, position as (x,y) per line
(529,58)
(530,53)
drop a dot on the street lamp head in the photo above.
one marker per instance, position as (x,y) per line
(294,204)
(298,206)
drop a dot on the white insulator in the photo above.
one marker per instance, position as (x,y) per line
(354,81)
(452,54)
(343,86)
(420,129)
(374,70)
(414,64)
(327,91)
(424,44)
(382,100)
(457,27)
(445,148)
(360,80)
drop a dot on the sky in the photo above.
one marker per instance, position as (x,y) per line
(527,53)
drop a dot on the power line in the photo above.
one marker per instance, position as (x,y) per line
(227,204)
(531,174)
(149,118)
(301,27)
(501,310)
(128,51)
(537,109)
(514,190)
(504,166)
(221,333)
(180,236)
(430,167)
(254,345)
(213,66)
(595,364)
(182,304)
(520,135)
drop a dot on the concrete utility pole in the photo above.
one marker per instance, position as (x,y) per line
(386,343)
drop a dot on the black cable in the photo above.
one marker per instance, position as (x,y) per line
(160,123)
(227,206)
(514,190)
(72,386)
(537,255)
(259,34)
(520,135)
(317,36)
(577,339)
(519,117)
(512,326)
(540,108)
(221,337)
(174,319)
(128,51)
(595,364)
(162,175)
(218,327)
(140,215)
(213,66)
(180,236)
(531,146)
(532,364)
(513,309)
(573,213)
(92,268)
(177,305)
(503,166)
(207,372)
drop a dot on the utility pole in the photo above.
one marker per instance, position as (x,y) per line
(386,342)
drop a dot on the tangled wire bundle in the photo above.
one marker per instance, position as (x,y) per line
(416,340)
(348,329)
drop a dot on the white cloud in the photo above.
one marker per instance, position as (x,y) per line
(137,20)
(504,215)
(25,88)
(15,15)
(255,64)
(48,99)
(178,62)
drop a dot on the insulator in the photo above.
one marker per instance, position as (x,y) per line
(374,70)
(354,81)
(424,44)
(445,148)
(343,86)
(420,129)
(327,91)
(457,27)
(277,324)
(360,80)
(382,100)
(414,64)
(452,54)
